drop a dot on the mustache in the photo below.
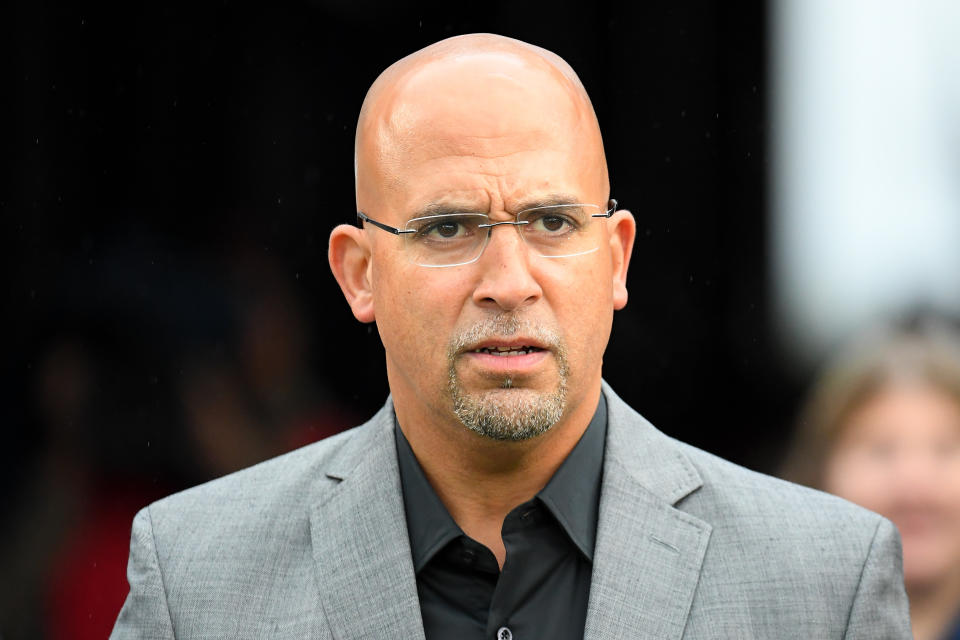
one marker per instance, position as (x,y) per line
(503,325)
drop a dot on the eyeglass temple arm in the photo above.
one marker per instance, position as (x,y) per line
(611,209)
(365,218)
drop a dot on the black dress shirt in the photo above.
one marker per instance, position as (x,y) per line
(544,586)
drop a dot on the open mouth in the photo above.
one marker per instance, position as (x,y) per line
(508,351)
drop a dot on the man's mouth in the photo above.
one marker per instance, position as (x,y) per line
(521,350)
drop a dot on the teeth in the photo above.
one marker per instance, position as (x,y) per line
(505,351)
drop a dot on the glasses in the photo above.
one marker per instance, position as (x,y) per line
(453,239)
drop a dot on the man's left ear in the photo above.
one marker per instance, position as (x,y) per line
(623,229)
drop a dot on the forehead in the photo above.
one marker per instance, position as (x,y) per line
(491,93)
(913,409)
(493,126)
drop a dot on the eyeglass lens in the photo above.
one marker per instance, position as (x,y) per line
(459,238)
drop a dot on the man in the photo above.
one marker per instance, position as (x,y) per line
(504,491)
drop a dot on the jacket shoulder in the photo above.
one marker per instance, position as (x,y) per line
(273,483)
(779,560)
(772,541)
(235,553)
(739,495)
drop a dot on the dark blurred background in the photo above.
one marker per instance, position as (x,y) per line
(176,173)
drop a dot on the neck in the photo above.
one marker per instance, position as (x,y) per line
(480,480)
(933,607)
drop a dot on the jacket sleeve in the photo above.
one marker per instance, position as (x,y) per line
(880,609)
(145,613)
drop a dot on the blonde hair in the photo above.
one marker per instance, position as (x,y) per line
(924,349)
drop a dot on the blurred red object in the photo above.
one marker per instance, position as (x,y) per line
(88,581)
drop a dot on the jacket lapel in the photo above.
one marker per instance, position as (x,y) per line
(360,544)
(648,554)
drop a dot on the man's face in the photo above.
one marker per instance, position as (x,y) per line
(488,137)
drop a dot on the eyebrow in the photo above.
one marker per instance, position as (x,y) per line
(448,208)
(445,208)
(550,200)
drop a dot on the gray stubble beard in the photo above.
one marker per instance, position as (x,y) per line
(508,413)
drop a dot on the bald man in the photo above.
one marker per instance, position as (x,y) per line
(504,491)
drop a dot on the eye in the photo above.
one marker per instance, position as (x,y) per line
(880,451)
(551,223)
(444,228)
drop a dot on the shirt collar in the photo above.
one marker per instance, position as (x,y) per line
(572,495)
(429,523)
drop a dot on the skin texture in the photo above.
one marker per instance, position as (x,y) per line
(485,124)
(899,455)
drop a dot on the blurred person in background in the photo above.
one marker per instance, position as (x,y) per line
(144,381)
(63,553)
(256,396)
(882,429)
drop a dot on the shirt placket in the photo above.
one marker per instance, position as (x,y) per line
(518,528)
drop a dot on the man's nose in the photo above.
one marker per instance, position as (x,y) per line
(506,281)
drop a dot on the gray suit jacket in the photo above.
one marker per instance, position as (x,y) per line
(313,544)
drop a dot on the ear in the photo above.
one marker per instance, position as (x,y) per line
(349,255)
(623,229)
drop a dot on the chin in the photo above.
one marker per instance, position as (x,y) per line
(509,414)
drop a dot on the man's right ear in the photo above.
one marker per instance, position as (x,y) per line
(349,255)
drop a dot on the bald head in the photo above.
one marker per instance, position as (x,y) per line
(482,98)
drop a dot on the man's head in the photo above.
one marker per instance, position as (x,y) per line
(483,124)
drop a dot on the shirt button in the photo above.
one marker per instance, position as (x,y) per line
(503,633)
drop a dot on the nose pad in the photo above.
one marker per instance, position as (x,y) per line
(505,223)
